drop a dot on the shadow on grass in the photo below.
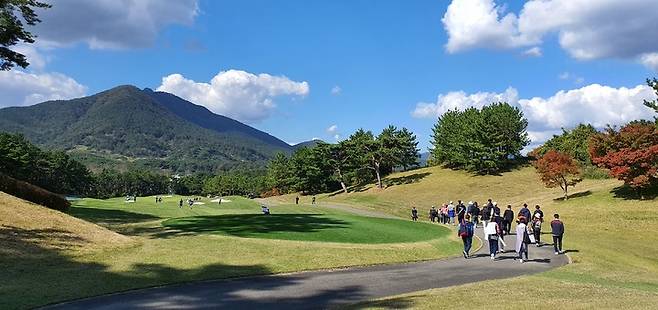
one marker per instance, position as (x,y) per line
(249,225)
(39,269)
(110,216)
(575,195)
(628,193)
(409,179)
(393,303)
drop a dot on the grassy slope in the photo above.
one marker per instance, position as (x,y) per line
(613,241)
(148,253)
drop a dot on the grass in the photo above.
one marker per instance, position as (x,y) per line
(611,240)
(145,244)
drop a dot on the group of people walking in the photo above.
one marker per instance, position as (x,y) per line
(497,225)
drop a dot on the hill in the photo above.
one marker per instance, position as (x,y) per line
(129,127)
(609,238)
(309,144)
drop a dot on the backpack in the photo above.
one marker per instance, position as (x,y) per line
(464,231)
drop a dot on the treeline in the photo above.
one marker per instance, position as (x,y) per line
(362,158)
(57,172)
(483,140)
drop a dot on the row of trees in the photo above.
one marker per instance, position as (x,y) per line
(362,158)
(483,140)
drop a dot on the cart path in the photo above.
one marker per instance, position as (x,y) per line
(323,289)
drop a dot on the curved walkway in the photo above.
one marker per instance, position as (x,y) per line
(322,289)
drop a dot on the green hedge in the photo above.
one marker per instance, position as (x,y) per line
(33,193)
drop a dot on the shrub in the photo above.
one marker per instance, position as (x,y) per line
(33,193)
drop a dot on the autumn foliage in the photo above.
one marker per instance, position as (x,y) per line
(630,154)
(558,169)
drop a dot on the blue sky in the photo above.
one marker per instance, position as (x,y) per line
(384,56)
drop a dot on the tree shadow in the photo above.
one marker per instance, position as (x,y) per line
(249,225)
(409,179)
(575,195)
(628,193)
(393,303)
(39,269)
(110,216)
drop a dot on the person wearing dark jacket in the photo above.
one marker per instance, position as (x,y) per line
(461,211)
(508,217)
(501,236)
(525,212)
(474,211)
(414,214)
(538,211)
(486,215)
(558,231)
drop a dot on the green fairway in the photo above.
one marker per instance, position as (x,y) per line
(147,244)
(243,218)
(310,227)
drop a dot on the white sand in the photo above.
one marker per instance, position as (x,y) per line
(223,200)
(199,203)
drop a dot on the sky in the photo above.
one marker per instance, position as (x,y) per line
(322,69)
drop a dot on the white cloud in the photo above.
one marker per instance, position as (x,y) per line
(19,88)
(237,94)
(336,90)
(595,104)
(585,29)
(650,61)
(480,23)
(572,77)
(333,131)
(460,100)
(34,57)
(533,52)
(111,23)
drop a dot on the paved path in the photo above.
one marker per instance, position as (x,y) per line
(322,289)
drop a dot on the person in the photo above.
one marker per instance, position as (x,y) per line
(313,200)
(557,228)
(444,214)
(414,214)
(536,229)
(191,203)
(501,237)
(538,212)
(491,234)
(461,211)
(522,238)
(466,232)
(508,217)
(525,212)
(297,200)
(180,203)
(496,209)
(486,215)
(451,213)
(156,199)
(474,211)
(431,214)
(266,210)
(219,201)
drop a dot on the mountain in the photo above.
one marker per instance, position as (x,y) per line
(126,127)
(309,144)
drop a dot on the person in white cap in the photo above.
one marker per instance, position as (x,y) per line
(451,213)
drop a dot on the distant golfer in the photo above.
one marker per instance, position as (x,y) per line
(265,210)
(180,203)
(313,201)
(414,214)
(297,200)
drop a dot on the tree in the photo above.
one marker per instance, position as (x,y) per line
(278,173)
(12,30)
(483,141)
(630,154)
(409,149)
(336,157)
(653,83)
(574,142)
(558,169)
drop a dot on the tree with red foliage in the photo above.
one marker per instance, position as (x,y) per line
(558,169)
(630,154)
